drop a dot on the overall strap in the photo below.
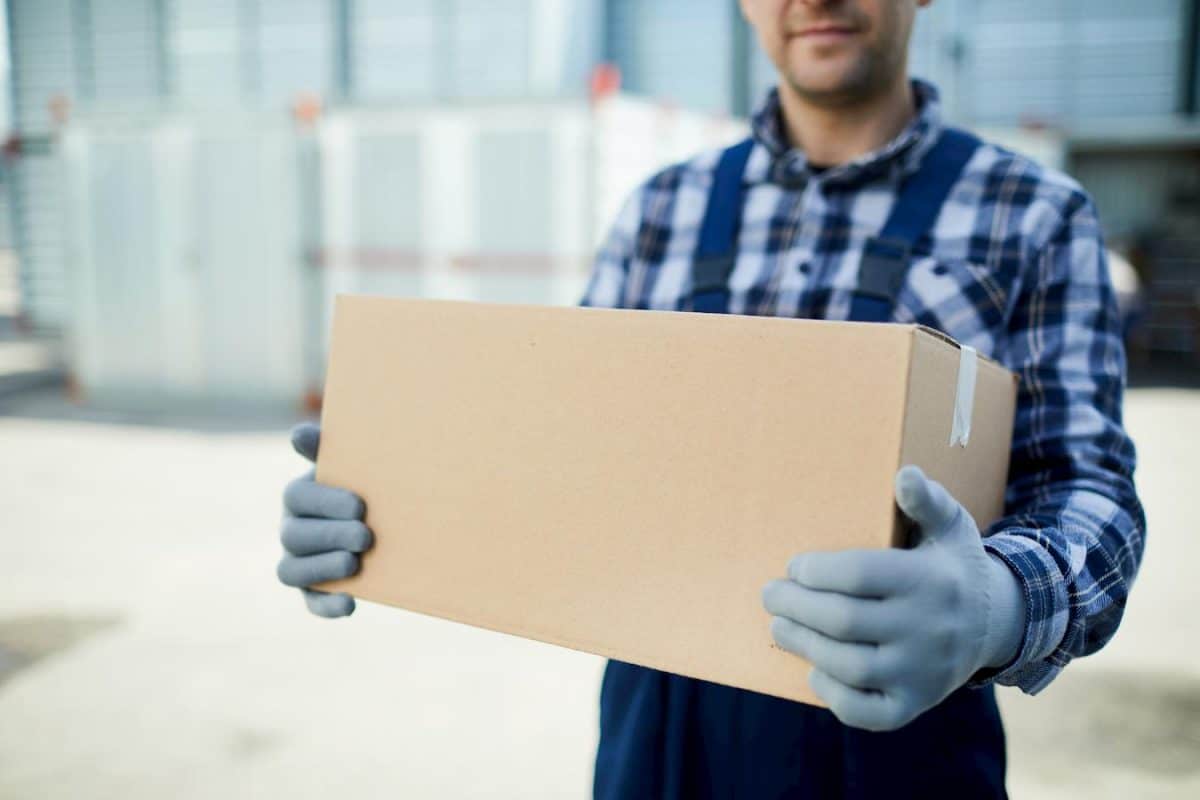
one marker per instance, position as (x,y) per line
(717,250)
(886,257)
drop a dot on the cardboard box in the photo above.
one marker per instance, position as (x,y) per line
(626,482)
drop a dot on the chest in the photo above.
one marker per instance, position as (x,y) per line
(799,254)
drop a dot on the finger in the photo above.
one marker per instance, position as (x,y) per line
(872,710)
(839,616)
(308,570)
(864,573)
(303,536)
(304,497)
(325,604)
(924,500)
(306,439)
(863,666)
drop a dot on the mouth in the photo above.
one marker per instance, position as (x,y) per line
(827,33)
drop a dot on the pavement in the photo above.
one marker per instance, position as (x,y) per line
(146,650)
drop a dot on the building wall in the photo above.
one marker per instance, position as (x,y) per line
(680,51)
(134,56)
(999,63)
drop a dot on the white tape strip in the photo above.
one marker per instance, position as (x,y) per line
(964,398)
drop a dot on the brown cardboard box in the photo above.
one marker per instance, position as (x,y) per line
(626,482)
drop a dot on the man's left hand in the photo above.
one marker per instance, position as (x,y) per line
(891,632)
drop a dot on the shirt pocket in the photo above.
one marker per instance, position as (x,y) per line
(958,294)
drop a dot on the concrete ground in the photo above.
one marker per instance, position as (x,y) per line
(146,650)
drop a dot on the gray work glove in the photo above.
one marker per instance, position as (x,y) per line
(322,532)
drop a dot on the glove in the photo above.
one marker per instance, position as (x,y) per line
(890,633)
(322,532)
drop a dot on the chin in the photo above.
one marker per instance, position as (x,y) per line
(829,84)
(823,86)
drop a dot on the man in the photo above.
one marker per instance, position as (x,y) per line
(852,200)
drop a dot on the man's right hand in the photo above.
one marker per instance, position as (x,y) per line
(322,532)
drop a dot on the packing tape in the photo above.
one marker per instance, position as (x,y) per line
(964,398)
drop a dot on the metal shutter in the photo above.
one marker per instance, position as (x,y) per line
(676,50)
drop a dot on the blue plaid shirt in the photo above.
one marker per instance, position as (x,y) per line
(1014,266)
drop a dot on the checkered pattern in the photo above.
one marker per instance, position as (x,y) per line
(1014,266)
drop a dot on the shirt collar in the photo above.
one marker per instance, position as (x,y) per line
(789,166)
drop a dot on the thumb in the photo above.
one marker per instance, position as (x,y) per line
(306,439)
(924,500)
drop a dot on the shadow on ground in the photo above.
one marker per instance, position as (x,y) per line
(24,641)
(1146,722)
(52,403)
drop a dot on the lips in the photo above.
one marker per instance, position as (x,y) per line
(827,30)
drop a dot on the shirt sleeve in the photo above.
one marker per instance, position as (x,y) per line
(1074,530)
(606,285)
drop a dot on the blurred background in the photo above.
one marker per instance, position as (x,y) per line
(184,186)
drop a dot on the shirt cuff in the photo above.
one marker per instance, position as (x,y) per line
(1046,604)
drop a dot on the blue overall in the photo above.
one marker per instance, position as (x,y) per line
(670,737)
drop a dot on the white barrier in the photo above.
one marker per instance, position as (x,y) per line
(184,261)
(204,253)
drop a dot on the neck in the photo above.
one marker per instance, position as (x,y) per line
(832,135)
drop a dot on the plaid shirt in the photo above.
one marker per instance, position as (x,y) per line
(1014,266)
